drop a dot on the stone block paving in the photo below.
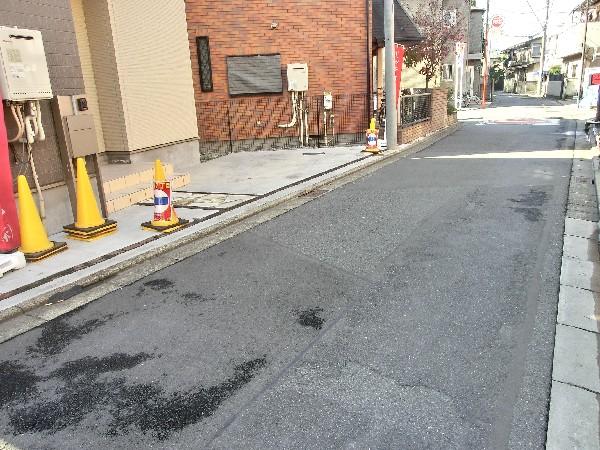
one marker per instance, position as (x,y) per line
(574,419)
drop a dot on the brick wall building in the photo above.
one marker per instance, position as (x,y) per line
(332,37)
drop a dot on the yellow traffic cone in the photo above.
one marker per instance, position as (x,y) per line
(165,219)
(34,239)
(89,223)
(372,137)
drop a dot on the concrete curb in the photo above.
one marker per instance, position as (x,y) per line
(345,175)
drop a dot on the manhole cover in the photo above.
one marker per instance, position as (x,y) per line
(582,180)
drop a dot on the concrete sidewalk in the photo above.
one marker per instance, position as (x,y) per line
(574,418)
(222,191)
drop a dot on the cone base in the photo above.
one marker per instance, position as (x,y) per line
(93,237)
(88,234)
(165,229)
(38,256)
(375,151)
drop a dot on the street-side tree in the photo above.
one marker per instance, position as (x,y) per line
(441,30)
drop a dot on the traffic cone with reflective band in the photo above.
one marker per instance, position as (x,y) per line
(34,239)
(372,136)
(89,223)
(165,219)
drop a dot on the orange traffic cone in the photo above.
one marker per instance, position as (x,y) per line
(165,219)
(89,223)
(34,239)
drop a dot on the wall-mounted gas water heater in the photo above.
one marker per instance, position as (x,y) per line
(297,77)
(24,81)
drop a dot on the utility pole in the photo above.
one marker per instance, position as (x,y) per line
(486,61)
(543,55)
(391,122)
(583,49)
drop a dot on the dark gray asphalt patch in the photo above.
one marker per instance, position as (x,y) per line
(91,367)
(148,409)
(531,214)
(534,197)
(189,298)
(310,318)
(58,334)
(159,284)
(80,394)
(143,406)
(16,381)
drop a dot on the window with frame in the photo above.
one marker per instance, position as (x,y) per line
(447,72)
(574,70)
(204,64)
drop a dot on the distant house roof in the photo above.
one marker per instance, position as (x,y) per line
(524,44)
(405,30)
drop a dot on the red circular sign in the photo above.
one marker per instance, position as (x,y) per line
(497,21)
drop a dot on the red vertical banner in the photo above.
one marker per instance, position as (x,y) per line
(399,53)
(9,222)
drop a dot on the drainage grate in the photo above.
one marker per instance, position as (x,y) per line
(582,180)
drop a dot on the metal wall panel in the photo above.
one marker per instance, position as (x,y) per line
(254,74)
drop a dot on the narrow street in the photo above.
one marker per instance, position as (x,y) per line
(412,308)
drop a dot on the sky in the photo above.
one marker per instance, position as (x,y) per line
(520,20)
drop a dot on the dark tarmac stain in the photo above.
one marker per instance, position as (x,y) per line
(16,381)
(531,214)
(91,367)
(142,406)
(190,298)
(310,318)
(80,394)
(533,198)
(148,409)
(162,285)
(58,334)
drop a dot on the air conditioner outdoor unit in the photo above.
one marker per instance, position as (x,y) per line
(23,67)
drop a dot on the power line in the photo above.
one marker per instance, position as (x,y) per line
(534,14)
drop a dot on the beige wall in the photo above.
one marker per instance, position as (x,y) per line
(153,60)
(106,75)
(137,71)
(87,69)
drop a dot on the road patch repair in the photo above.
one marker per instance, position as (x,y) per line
(574,417)
(222,193)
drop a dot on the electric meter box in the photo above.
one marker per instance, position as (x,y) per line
(23,67)
(297,75)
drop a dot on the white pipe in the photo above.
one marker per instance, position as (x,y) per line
(38,188)
(29,134)
(294,118)
(16,113)
(325,126)
(301,136)
(40,126)
(306,125)
(33,114)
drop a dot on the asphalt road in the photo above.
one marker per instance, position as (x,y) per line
(413,308)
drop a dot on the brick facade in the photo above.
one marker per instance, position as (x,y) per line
(439,119)
(331,37)
(53,18)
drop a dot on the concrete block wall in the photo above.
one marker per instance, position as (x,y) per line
(53,18)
